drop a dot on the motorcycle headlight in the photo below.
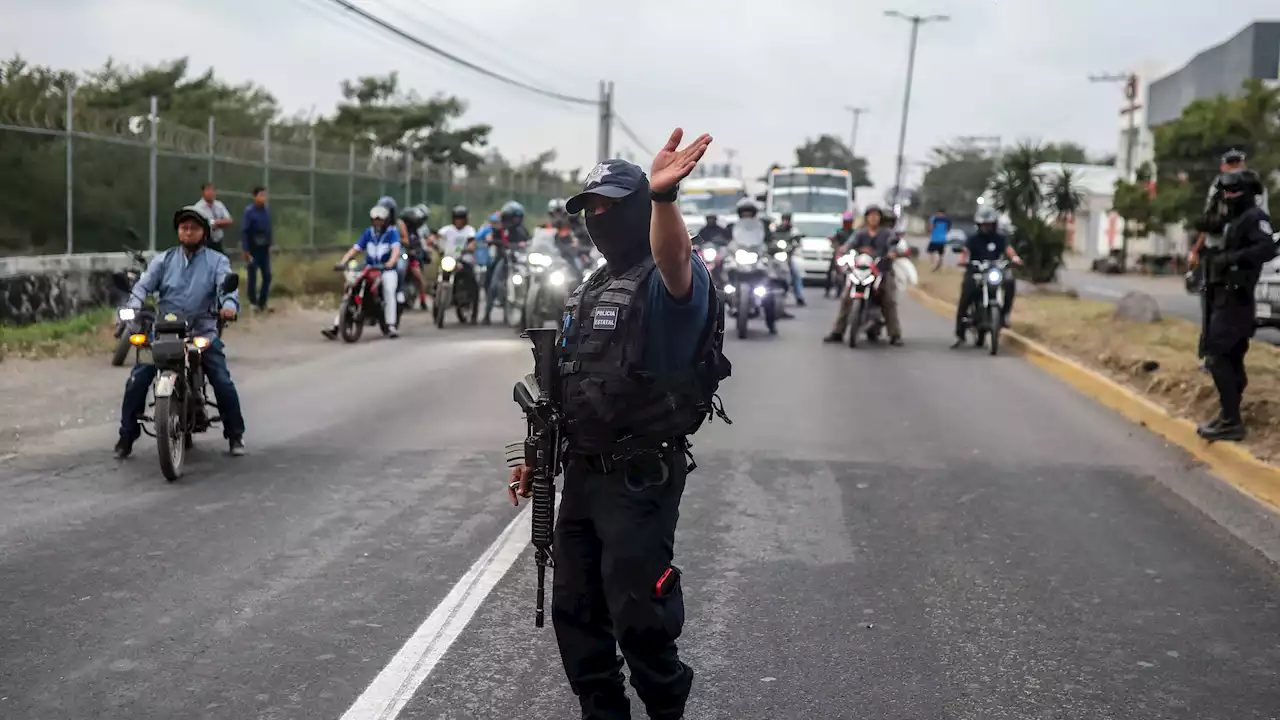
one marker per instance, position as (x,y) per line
(556,278)
(730,289)
(994,276)
(200,342)
(127,314)
(448,264)
(539,259)
(782,244)
(759,292)
(746,257)
(780,256)
(844,260)
(709,254)
(517,279)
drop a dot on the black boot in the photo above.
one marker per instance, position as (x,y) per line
(833,338)
(959,341)
(1224,430)
(124,448)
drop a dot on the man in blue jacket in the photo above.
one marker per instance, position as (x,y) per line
(256,241)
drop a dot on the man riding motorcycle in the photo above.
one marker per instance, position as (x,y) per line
(787,232)
(747,208)
(841,237)
(380,243)
(877,241)
(513,234)
(457,238)
(416,248)
(187,280)
(989,244)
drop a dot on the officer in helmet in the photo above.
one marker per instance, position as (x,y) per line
(989,244)
(1231,274)
(639,360)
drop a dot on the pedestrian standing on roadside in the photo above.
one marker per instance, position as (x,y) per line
(219,216)
(257,241)
(1231,274)
(640,358)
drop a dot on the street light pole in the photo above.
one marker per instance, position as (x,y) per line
(916,21)
(853,137)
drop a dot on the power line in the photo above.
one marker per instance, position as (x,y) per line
(460,61)
(629,133)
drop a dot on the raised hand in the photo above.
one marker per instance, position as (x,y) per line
(671,165)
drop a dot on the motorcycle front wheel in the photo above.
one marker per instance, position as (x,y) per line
(122,350)
(442,303)
(170,436)
(744,313)
(997,323)
(350,324)
(855,320)
(771,314)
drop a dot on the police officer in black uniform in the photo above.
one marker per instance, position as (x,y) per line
(987,243)
(1231,274)
(640,361)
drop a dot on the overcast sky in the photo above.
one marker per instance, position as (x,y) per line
(760,75)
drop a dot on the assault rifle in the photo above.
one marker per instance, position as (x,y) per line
(538,395)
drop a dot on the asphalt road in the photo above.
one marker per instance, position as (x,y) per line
(882,533)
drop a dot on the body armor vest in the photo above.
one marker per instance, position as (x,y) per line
(612,405)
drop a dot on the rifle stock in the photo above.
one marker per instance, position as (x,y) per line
(542,448)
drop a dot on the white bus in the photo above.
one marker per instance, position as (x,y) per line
(700,197)
(808,190)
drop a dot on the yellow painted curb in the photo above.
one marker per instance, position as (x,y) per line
(1229,461)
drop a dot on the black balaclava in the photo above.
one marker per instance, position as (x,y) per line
(1247,184)
(621,233)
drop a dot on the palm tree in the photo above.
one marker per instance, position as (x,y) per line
(1017,185)
(1064,196)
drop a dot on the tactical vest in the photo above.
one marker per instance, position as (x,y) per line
(611,404)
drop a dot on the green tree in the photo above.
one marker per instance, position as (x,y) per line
(1064,152)
(959,175)
(378,115)
(829,152)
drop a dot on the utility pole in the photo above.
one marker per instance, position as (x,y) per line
(916,21)
(1131,108)
(606,121)
(853,136)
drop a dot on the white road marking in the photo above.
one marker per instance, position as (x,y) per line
(10,456)
(392,689)
(1103,291)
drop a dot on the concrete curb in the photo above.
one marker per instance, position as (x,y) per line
(1229,461)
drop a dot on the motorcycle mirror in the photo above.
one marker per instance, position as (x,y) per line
(230,284)
(133,234)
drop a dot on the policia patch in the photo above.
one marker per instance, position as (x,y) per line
(604,318)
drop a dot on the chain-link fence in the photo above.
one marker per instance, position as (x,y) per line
(83,181)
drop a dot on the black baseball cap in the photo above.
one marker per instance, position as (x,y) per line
(612,179)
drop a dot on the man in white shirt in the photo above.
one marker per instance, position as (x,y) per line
(219,218)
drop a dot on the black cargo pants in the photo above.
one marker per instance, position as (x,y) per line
(615,587)
(1229,328)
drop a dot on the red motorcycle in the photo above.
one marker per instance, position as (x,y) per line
(362,302)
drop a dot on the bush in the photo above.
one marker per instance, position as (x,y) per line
(1041,246)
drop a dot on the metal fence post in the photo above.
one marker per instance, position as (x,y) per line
(71,94)
(155,147)
(408,178)
(266,155)
(351,182)
(311,196)
(211,149)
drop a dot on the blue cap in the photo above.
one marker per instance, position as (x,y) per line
(612,179)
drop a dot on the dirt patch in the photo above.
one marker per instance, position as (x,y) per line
(1156,359)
